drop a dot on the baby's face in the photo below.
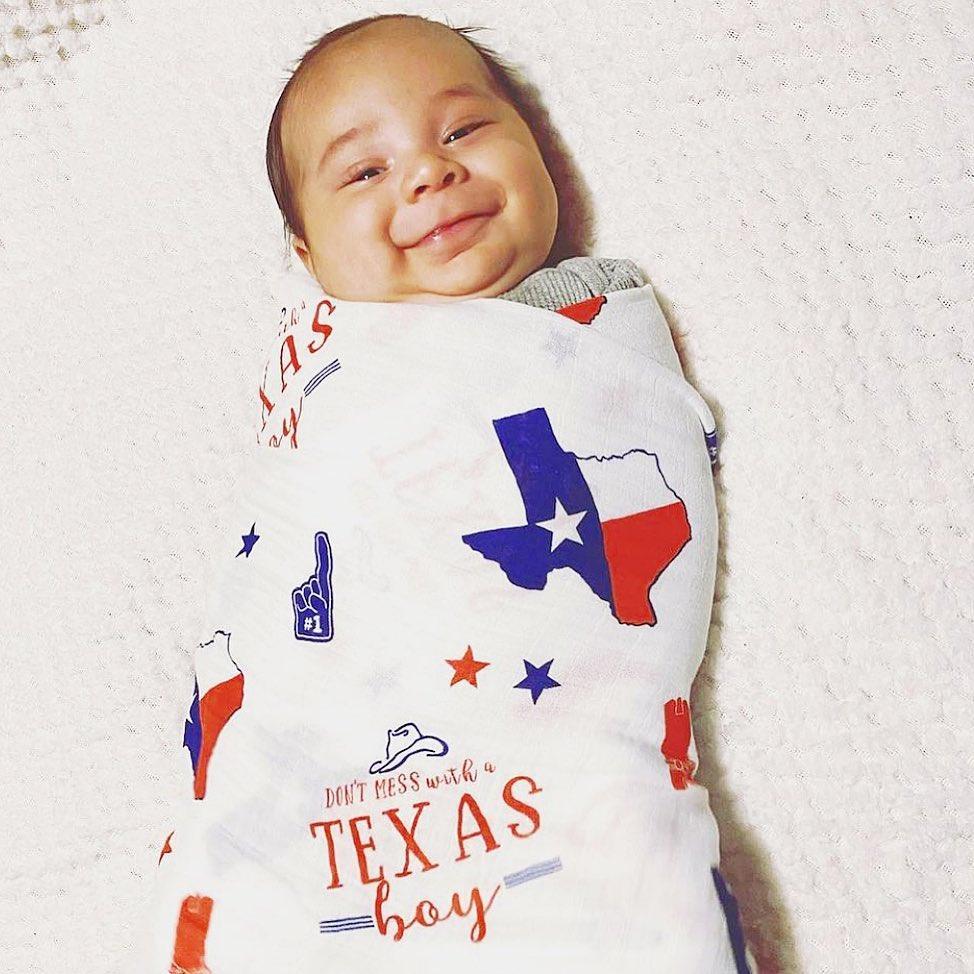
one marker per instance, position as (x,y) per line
(424,157)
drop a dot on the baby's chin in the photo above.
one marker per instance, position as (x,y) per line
(471,274)
(479,272)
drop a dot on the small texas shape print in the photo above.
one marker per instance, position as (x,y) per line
(217,695)
(581,513)
(676,743)
(312,600)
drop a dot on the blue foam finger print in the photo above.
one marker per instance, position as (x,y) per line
(312,600)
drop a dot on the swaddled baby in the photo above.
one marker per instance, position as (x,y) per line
(441,717)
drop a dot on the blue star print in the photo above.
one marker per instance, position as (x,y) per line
(249,540)
(537,679)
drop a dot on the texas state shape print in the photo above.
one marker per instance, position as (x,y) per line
(583,513)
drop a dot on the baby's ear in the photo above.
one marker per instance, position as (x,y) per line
(301,249)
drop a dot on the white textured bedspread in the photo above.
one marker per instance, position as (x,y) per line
(797,181)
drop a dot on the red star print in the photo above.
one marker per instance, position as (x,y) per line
(466,668)
(166,846)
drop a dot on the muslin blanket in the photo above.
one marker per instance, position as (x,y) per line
(440,713)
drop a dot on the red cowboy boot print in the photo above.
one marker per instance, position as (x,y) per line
(676,743)
(191,931)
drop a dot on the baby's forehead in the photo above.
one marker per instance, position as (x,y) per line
(428,60)
(320,105)
(346,85)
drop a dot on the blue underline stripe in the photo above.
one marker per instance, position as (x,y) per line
(323,374)
(533,872)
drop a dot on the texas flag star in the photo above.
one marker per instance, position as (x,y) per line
(563,526)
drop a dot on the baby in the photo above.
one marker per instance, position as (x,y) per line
(416,193)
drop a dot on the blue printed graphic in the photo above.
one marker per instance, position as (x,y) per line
(312,600)
(734,929)
(545,868)
(320,376)
(545,473)
(712,445)
(249,540)
(404,742)
(537,679)
(193,728)
(363,921)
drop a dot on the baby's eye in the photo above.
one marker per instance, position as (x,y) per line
(357,177)
(465,128)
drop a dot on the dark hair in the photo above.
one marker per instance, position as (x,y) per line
(573,235)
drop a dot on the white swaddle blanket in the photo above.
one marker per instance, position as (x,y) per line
(440,714)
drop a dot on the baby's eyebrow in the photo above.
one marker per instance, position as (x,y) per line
(352,135)
(465,90)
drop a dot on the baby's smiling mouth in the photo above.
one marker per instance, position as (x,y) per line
(456,234)
(457,218)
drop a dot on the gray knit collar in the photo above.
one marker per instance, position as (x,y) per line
(575,279)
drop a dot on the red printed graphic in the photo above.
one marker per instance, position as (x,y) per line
(292,357)
(216,708)
(466,668)
(583,311)
(166,848)
(637,549)
(217,696)
(676,743)
(474,836)
(191,930)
